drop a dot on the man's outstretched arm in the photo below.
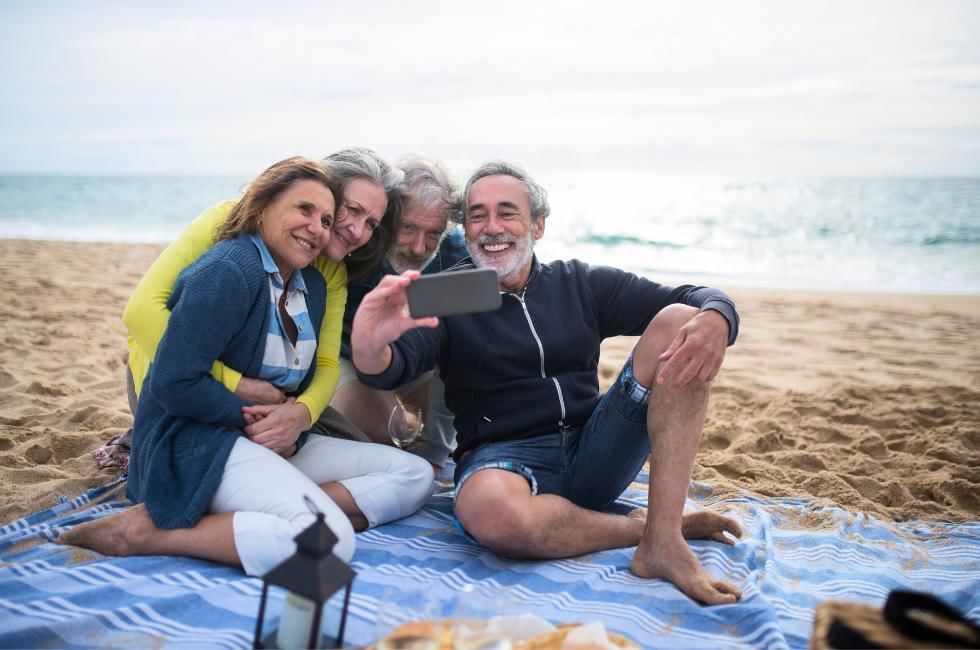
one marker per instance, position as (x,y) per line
(380,320)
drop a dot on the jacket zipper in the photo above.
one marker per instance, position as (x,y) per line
(534,333)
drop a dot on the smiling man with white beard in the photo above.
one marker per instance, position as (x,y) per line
(540,453)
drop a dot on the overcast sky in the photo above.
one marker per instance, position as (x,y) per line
(731,88)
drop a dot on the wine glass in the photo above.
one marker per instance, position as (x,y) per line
(405,425)
(408,620)
(480,620)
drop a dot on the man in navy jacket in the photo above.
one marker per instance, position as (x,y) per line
(540,453)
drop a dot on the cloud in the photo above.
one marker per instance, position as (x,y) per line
(709,87)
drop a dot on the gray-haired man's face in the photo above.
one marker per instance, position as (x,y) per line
(417,239)
(500,233)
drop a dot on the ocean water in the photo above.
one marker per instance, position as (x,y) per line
(891,234)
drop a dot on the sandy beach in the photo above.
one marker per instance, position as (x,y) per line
(868,401)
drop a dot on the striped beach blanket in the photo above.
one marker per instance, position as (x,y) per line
(795,554)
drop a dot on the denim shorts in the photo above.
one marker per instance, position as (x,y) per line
(590,465)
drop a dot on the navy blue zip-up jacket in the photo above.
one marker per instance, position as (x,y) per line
(532,366)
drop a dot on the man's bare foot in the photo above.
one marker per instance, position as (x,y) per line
(116,535)
(703,524)
(674,561)
(706,524)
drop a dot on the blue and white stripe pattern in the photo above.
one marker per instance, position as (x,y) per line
(795,554)
(284,364)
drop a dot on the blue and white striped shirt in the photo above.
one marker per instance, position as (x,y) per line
(283,364)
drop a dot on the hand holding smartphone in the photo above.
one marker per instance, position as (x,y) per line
(454,292)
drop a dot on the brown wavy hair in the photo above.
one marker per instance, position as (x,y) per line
(268,185)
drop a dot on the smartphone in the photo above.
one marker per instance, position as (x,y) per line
(454,292)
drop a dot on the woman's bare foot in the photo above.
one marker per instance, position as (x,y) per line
(120,534)
(673,560)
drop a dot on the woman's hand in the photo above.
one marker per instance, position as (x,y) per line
(276,426)
(259,391)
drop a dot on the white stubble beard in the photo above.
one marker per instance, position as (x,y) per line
(519,255)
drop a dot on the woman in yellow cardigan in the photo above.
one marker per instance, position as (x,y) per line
(202,488)
(373,196)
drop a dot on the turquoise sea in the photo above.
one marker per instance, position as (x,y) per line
(891,234)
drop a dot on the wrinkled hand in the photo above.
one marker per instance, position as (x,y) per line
(259,391)
(276,426)
(696,353)
(381,318)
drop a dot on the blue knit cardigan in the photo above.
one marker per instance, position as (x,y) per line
(187,422)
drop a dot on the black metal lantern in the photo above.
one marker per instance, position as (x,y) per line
(311,576)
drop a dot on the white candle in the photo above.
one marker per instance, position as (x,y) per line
(331,614)
(295,623)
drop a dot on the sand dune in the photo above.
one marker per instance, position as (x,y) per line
(868,401)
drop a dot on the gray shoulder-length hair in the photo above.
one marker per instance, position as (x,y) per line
(361,162)
(537,195)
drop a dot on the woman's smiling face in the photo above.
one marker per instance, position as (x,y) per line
(296,225)
(358,217)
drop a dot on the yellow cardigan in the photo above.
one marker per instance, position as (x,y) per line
(146,313)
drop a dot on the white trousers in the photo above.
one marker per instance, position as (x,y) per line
(265,491)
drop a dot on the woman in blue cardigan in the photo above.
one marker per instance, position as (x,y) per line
(203,488)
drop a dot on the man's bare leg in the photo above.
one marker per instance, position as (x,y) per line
(369,409)
(675,419)
(496,507)
(132,532)
(366,408)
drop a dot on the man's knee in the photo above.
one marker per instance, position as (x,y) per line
(670,319)
(657,337)
(493,508)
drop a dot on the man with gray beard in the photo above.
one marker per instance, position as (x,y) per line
(426,241)
(540,453)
